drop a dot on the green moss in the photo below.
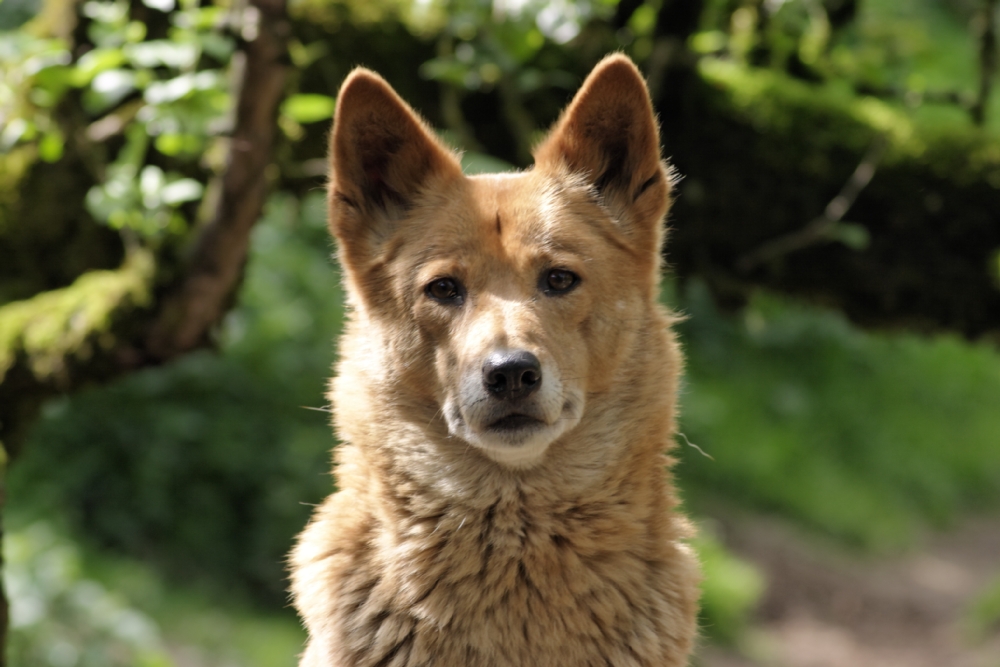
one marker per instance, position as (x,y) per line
(13,167)
(772,101)
(69,322)
(833,114)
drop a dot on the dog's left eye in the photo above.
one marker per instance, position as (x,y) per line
(559,281)
(445,290)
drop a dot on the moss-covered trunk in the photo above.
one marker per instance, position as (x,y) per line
(110,322)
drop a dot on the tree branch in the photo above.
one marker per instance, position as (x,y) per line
(215,268)
(821,229)
(110,322)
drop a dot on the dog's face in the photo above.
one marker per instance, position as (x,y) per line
(501,302)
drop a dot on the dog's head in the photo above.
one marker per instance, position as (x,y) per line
(499,303)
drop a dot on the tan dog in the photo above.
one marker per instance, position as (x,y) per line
(505,398)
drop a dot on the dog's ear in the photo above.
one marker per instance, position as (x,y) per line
(608,135)
(383,156)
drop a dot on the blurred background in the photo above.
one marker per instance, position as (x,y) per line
(168,304)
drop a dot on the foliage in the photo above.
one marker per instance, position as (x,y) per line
(207,467)
(983,616)
(76,606)
(61,619)
(68,323)
(200,627)
(919,53)
(161,90)
(772,102)
(867,438)
(202,467)
(729,590)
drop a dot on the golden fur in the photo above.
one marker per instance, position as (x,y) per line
(515,517)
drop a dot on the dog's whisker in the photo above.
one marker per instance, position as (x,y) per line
(691,444)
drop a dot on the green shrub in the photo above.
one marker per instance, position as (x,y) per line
(729,590)
(983,616)
(58,618)
(865,437)
(208,467)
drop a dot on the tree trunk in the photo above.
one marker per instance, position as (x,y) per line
(126,326)
(204,295)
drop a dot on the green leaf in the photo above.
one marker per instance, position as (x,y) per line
(643,20)
(53,55)
(50,85)
(446,70)
(161,92)
(109,88)
(707,42)
(199,18)
(851,234)
(106,12)
(162,52)
(176,145)
(50,148)
(151,182)
(217,46)
(304,55)
(180,191)
(308,108)
(161,5)
(94,62)
(17,129)
(135,31)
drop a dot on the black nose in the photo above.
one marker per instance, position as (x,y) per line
(512,374)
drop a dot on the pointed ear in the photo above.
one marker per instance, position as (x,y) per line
(608,135)
(383,156)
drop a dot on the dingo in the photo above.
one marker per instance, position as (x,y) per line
(505,398)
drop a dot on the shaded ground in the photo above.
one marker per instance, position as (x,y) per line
(827,609)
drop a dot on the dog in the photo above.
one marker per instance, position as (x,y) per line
(505,399)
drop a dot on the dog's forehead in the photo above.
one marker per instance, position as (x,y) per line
(509,222)
(526,208)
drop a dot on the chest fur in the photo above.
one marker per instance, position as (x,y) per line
(504,587)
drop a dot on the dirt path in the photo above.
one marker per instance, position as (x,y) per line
(831,610)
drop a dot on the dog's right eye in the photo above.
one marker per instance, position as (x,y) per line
(445,290)
(559,281)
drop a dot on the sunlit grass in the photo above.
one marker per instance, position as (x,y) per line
(870,438)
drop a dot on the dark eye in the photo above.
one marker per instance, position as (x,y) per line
(445,290)
(559,281)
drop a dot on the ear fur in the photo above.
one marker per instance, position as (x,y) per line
(608,134)
(383,155)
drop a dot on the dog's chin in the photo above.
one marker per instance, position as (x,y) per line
(518,441)
(515,440)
